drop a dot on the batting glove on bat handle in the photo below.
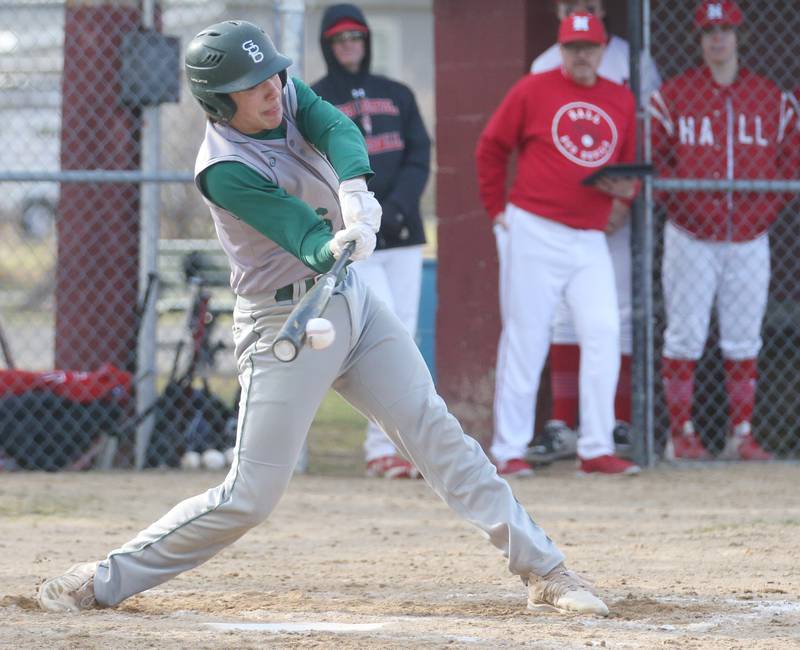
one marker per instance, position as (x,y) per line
(359,205)
(361,235)
(292,336)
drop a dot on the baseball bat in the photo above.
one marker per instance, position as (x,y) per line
(196,296)
(6,349)
(150,293)
(292,335)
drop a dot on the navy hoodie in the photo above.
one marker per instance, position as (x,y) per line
(398,144)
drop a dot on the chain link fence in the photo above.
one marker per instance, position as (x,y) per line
(97,146)
(107,363)
(98,136)
(723,135)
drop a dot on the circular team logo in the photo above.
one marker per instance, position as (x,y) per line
(584,134)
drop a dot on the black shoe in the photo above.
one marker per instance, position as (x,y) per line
(623,445)
(556,441)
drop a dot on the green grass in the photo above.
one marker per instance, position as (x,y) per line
(336,436)
(336,439)
(39,505)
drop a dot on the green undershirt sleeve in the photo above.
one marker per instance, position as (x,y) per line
(332,132)
(283,218)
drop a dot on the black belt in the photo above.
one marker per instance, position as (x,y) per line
(287,292)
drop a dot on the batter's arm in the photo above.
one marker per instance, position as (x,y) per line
(333,133)
(285,219)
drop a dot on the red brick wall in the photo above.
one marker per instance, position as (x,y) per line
(481,50)
(98,226)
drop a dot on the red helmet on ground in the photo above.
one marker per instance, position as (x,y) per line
(711,12)
(582,27)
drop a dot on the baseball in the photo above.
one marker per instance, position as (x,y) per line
(190,460)
(320,333)
(213,459)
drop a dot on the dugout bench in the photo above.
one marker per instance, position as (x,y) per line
(180,259)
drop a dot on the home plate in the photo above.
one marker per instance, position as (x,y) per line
(297,627)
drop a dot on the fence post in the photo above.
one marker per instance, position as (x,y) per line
(642,253)
(150,227)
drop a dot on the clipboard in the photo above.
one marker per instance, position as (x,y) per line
(620,170)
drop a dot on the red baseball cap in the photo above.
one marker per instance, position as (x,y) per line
(344,25)
(582,27)
(721,12)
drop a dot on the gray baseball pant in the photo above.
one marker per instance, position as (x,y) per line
(375,365)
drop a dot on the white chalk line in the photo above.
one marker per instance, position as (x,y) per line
(742,612)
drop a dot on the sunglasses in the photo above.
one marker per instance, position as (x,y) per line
(344,37)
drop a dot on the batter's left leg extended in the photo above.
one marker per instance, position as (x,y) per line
(277,406)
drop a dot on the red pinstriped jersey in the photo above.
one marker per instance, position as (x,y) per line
(562,132)
(747,130)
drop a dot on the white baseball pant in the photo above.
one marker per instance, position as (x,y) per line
(695,272)
(619,247)
(394,275)
(545,262)
(375,365)
(563,329)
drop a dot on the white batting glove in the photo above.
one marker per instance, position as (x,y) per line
(361,234)
(359,205)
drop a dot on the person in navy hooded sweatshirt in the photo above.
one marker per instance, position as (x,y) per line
(399,153)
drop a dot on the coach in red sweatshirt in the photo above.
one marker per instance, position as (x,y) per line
(564,125)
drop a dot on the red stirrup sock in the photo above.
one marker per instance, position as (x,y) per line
(565,363)
(740,384)
(622,399)
(678,376)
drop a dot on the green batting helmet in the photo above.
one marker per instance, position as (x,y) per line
(227,57)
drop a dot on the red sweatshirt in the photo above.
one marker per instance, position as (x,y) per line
(563,132)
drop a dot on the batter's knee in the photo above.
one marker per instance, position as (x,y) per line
(253,500)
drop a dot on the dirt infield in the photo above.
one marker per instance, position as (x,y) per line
(686,558)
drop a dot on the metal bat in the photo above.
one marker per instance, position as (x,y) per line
(6,348)
(150,294)
(292,335)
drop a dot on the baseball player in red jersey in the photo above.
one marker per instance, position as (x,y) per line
(718,121)
(564,124)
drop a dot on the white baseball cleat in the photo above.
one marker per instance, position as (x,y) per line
(564,591)
(71,592)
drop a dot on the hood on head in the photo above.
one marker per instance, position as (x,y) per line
(333,15)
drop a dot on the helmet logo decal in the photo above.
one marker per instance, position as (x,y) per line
(253,51)
(715,11)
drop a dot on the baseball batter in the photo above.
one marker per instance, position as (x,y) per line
(718,121)
(558,438)
(565,124)
(283,174)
